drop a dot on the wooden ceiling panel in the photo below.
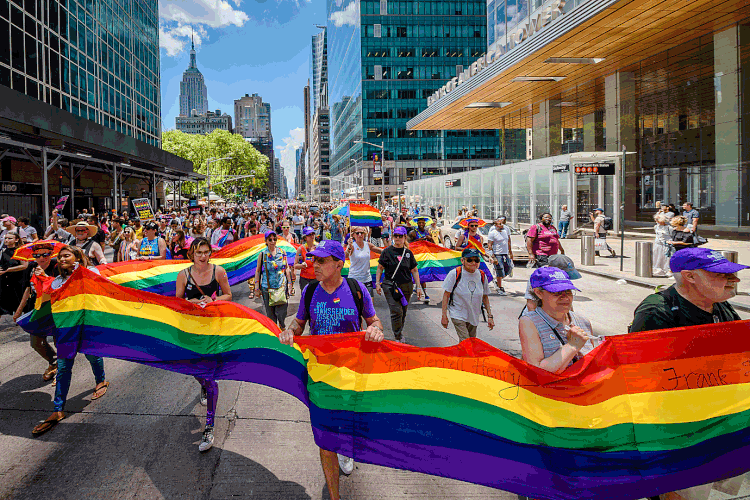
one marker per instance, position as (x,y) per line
(624,34)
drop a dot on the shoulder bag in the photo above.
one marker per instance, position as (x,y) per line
(276,296)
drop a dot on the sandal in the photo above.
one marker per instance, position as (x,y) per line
(47,425)
(98,388)
(49,373)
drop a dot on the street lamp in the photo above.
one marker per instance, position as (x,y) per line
(382,173)
(208,173)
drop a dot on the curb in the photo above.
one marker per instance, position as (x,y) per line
(644,284)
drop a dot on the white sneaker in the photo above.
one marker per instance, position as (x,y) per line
(204,397)
(501,291)
(426,299)
(346,464)
(207,441)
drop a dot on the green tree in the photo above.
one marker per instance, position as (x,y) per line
(246,160)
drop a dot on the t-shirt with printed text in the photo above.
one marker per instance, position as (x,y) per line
(335,312)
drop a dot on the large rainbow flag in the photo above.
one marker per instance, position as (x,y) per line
(642,414)
(160,276)
(364,215)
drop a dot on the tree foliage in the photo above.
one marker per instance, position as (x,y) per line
(198,149)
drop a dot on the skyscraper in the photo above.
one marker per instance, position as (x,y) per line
(193,92)
(384,59)
(252,120)
(319,72)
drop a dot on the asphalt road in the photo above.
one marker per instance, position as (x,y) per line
(140,441)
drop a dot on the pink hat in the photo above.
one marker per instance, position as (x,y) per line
(9,218)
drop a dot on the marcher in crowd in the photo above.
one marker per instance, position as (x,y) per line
(600,229)
(470,237)
(215,287)
(692,216)
(358,252)
(542,241)
(152,246)
(84,234)
(303,260)
(68,260)
(31,232)
(399,266)
(465,289)
(552,336)
(272,275)
(421,233)
(681,238)
(498,240)
(43,265)
(12,274)
(178,246)
(560,262)
(661,251)
(129,245)
(563,223)
(334,309)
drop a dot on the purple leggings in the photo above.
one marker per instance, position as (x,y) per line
(212,391)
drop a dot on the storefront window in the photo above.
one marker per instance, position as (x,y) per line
(523,198)
(506,197)
(542,191)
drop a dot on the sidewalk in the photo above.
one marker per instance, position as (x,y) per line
(609,267)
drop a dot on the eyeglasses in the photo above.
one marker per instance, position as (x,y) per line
(40,255)
(204,253)
(474,260)
(473,226)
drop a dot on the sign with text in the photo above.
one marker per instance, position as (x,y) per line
(561,168)
(595,168)
(451,183)
(61,202)
(7,187)
(143,209)
(193,207)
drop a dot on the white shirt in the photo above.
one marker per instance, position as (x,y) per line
(297,222)
(359,267)
(467,298)
(500,240)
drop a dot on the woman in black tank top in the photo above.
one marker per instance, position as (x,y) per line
(193,284)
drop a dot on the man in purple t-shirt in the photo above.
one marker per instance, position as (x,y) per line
(333,310)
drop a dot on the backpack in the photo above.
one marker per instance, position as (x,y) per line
(608,224)
(671,302)
(458,278)
(353,287)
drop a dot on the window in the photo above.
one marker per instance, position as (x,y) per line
(377,31)
(401,31)
(429,52)
(407,74)
(407,94)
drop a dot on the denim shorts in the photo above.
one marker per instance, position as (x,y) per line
(503,266)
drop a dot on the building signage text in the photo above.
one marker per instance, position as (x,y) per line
(595,168)
(453,183)
(550,11)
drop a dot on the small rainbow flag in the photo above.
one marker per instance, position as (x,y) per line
(160,276)
(364,215)
(642,414)
(435,262)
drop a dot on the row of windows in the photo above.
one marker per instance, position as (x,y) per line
(378,72)
(423,31)
(420,8)
(385,52)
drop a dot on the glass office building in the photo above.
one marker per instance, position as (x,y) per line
(384,58)
(98,60)
(677,105)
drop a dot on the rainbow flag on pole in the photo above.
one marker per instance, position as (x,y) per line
(364,215)
(435,262)
(160,276)
(642,414)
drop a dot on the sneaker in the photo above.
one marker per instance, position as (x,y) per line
(204,397)
(501,291)
(346,464)
(207,441)
(426,299)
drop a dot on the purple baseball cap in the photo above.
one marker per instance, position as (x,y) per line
(551,279)
(400,230)
(307,230)
(709,260)
(269,233)
(329,248)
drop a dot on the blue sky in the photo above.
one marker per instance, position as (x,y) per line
(243,47)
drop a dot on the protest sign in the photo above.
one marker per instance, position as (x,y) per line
(143,208)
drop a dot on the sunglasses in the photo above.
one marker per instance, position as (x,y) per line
(399,235)
(82,230)
(473,225)
(564,293)
(321,260)
(40,255)
(271,238)
(474,260)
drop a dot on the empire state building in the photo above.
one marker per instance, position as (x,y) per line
(193,93)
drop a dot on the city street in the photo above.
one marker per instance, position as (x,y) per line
(141,440)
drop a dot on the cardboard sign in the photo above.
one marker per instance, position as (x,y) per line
(61,202)
(143,209)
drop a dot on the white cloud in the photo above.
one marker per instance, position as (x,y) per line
(349,15)
(287,155)
(178,18)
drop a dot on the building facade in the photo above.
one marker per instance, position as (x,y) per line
(204,124)
(320,156)
(675,110)
(252,120)
(302,173)
(386,62)
(193,91)
(96,60)
(319,72)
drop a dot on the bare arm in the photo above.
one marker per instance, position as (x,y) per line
(295,328)
(446,298)
(162,250)
(533,352)
(375,249)
(98,253)
(24,300)
(223,279)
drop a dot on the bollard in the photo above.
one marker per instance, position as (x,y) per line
(587,250)
(730,255)
(643,259)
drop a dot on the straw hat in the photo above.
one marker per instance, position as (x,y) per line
(92,229)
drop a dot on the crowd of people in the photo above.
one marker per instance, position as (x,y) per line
(553,336)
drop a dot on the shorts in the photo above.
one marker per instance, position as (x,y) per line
(503,265)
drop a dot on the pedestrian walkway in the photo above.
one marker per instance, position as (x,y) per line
(610,266)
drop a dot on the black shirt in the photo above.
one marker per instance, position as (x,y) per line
(683,236)
(655,312)
(390,258)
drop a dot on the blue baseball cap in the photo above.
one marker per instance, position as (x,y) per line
(329,248)
(470,252)
(269,233)
(690,259)
(551,279)
(307,230)
(565,263)
(599,210)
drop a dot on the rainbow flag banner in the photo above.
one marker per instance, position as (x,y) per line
(159,276)
(435,262)
(364,215)
(642,414)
